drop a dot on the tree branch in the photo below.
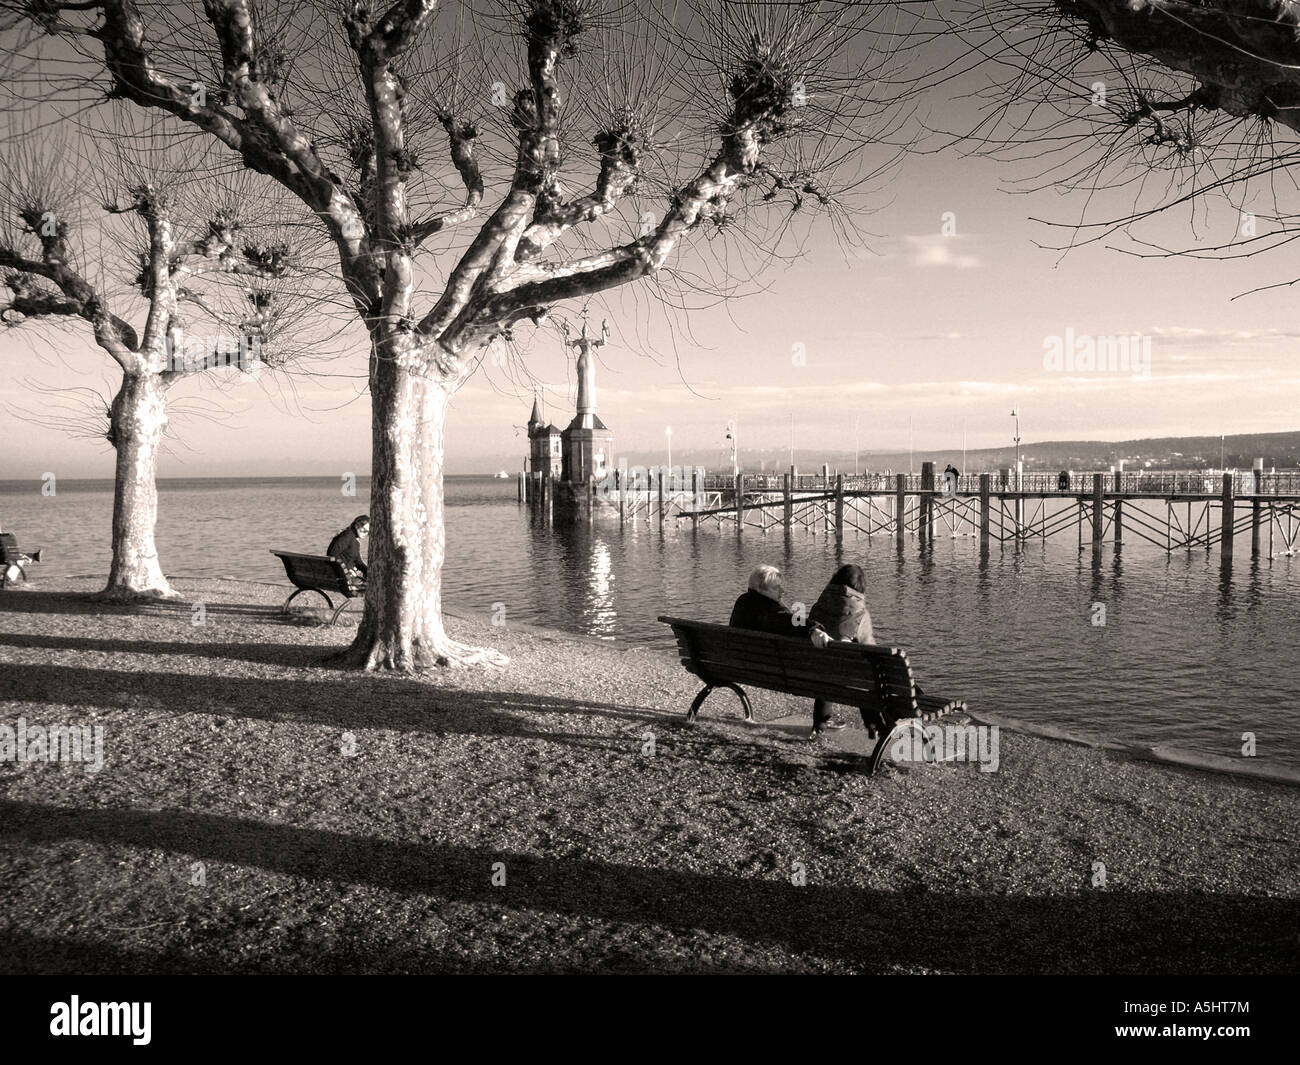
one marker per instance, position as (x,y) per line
(463,137)
(270,144)
(112,334)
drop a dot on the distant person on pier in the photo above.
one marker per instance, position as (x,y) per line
(760,607)
(950,477)
(840,613)
(346,547)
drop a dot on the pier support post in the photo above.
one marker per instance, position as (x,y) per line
(787,510)
(695,501)
(1098,510)
(1226,521)
(662,500)
(521,488)
(740,502)
(839,506)
(927,502)
(1119,509)
(900,505)
(984,511)
(1257,478)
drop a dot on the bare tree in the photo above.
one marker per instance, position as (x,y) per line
(1146,106)
(461,130)
(205,289)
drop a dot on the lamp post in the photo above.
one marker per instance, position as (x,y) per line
(1020,503)
(1016,414)
(731,435)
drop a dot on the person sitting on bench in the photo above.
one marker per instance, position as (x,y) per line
(346,547)
(840,613)
(760,607)
(13,561)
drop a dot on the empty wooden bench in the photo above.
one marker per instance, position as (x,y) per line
(874,678)
(321,574)
(13,562)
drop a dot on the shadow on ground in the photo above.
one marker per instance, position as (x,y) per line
(1101,931)
(33,602)
(346,701)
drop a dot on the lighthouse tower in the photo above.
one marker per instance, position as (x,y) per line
(587,446)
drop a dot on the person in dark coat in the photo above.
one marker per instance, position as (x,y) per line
(840,613)
(346,546)
(760,607)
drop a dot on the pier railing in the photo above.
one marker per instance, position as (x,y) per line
(1201,508)
(1129,482)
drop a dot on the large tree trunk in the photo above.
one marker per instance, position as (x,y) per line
(138,418)
(401,628)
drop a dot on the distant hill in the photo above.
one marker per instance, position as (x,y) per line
(1169,452)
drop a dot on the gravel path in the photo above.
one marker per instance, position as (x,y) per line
(258,812)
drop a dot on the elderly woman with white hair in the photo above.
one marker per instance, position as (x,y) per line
(760,607)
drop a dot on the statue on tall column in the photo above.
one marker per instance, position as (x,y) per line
(586,407)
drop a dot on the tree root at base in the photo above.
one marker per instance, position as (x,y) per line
(443,653)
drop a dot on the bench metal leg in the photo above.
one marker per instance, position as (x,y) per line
(887,737)
(339,610)
(704,694)
(883,743)
(329,602)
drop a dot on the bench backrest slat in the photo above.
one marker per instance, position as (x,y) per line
(315,571)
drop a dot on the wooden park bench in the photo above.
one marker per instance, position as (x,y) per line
(321,574)
(13,562)
(872,677)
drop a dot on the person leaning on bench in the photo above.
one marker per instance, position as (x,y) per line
(840,613)
(346,547)
(760,607)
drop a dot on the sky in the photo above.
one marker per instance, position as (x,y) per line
(929,336)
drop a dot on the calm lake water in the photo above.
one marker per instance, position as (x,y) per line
(1189,656)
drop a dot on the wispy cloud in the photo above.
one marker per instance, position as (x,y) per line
(934,250)
(1176,335)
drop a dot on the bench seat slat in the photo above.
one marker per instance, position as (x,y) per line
(936,704)
(866,694)
(831,693)
(799,679)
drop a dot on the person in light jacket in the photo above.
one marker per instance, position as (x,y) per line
(840,613)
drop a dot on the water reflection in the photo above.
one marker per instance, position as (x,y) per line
(586,579)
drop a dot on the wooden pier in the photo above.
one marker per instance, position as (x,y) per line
(1197,507)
